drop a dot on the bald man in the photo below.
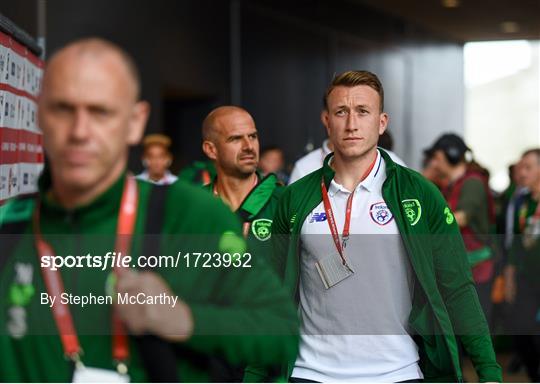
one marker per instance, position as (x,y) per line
(66,317)
(231,141)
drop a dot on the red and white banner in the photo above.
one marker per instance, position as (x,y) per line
(21,152)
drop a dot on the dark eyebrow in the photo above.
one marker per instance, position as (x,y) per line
(60,103)
(233,137)
(362,106)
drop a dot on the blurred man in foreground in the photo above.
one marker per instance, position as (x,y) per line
(90,114)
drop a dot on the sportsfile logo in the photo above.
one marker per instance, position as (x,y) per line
(318,217)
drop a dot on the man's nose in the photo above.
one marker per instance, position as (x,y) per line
(81,125)
(352,122)
(247,144)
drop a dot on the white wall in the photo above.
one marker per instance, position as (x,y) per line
(503,119)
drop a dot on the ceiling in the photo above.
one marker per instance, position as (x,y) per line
(471,20)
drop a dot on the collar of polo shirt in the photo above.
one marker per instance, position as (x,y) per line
(368,183)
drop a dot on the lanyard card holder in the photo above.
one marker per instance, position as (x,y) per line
(332,270)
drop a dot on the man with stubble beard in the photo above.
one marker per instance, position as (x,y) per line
(373,256)
(231,141)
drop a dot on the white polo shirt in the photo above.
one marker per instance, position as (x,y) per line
(357,330)
(310,162)
(167,179)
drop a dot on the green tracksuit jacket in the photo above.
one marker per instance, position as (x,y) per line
(258,210)
(242,315)
(445,303)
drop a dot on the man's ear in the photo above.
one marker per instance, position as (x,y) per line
(383,122)
(324,119)
(137,123)
(209,149)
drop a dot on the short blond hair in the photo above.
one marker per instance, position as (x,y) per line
(156,139)
(354,78)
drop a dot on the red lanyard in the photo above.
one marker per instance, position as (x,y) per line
(340,246)
(55,286)
(245,226)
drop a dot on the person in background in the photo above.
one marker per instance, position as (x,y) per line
(157,159)
(200,172)
(311,161)
(386,142)
(470,199)
(523,269)
(231,142)
(273,161)
(430,172)
(510,199)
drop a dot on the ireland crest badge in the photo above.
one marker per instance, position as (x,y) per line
(261,229)
(412,210)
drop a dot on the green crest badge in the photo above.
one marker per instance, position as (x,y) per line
(449,216)
(413,210)
(261,229)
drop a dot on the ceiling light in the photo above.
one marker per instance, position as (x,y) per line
(509,27)
(450,3)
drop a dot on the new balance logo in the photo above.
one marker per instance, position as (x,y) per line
(318,217)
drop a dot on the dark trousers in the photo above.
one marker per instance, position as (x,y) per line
(525,325)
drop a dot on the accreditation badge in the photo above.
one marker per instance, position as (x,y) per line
(332,270)
(83,374)
(531,233)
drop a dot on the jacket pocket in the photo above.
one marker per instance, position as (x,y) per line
(435,359)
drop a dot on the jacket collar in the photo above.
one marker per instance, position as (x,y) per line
(257,198)
(104,206)
(328,172)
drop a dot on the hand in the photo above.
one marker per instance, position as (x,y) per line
(461,218)
(173,323)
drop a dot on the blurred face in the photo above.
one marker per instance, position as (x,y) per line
(235,144)
(157,160)
(517,176)
(271,161)
(431,173)
(89,117)
(440,164)
(354,121)
(529,171)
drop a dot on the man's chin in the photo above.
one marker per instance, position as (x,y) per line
(76,179)
(246,173)
(356,153)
